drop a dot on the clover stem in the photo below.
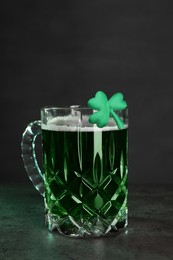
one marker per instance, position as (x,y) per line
(118,121)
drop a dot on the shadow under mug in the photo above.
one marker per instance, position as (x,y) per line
(84,183)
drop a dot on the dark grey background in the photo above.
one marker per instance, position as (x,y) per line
(62,52)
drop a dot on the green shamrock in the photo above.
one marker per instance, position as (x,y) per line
(106,108)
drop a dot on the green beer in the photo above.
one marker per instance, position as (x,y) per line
(85,171)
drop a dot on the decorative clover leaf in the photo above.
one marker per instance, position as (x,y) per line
(106,108)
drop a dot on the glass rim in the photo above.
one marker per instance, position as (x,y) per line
(77,107)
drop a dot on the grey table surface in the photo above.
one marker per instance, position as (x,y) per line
(23,234)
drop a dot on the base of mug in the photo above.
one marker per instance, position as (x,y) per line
(95,228)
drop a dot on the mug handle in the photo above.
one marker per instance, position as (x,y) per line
(29,155)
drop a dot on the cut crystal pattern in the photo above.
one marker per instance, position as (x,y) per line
(85,187)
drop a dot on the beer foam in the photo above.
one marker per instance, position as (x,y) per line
(74,125)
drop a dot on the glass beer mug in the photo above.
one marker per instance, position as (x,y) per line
(84,181)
